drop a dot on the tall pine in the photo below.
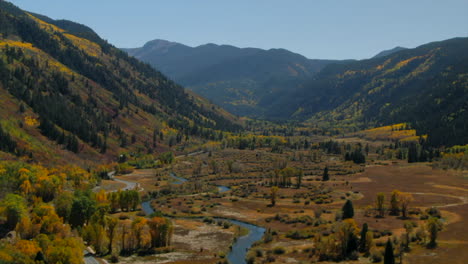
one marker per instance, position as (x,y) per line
(389,258)
(348,210)
(363,242)
(325,177)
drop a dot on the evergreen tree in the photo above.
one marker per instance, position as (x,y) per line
(412,153)
(104,145)
(7,144)
(325,177)
(363,242)
(348,210)
(389,258)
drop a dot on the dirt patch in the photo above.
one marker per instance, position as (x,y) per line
(362,179)
(109,185)
(197,236)
(172,257)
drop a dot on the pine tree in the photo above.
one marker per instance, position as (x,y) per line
(412,153)
(348,210)
(104,145)
(389,258)
(325,177)
(363,242)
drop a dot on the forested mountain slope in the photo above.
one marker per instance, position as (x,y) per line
(234,78)
(69,96)
(426,86)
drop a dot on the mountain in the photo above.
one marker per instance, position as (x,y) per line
(389,52)
(426,86)
(234,78)
(69,96)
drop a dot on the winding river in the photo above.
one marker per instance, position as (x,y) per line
(179,180)
(240,247)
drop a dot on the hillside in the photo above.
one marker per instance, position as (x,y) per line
(426,86)
(69,96)
(234,78)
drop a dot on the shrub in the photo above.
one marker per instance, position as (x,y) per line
(270,258)
(318,213)
(354,255)
(279,250)
(434,212)
(250,259)
(141,213)
(375,255)
(114,259)
(123,216)
(208,220)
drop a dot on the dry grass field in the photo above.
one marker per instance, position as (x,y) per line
(310,209)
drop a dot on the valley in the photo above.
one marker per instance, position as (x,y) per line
(217,154)
(301,216)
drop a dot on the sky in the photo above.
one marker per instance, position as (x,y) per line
(317,29)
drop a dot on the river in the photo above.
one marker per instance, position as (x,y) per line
(179,180)
(241,246)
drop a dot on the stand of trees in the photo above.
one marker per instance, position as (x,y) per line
(51,220)
(282,177)
(7,144)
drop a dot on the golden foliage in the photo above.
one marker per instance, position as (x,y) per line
(403,63)
(87,46)
(31,121)
(392,132)
(5,257)
(28,248)
(46,26)
(39,54)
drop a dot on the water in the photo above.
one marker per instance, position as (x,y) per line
(179,180)
(147,208)
(241,246)
(222,188)
(244,243)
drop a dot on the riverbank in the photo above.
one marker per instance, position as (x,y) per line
(196,233)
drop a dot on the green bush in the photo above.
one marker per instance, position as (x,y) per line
(279,250)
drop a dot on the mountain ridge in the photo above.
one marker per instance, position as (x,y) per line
(425,86)
(234,78)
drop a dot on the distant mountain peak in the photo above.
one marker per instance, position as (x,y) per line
(160,44)
(389,51)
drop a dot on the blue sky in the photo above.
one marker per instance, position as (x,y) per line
(325,29)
